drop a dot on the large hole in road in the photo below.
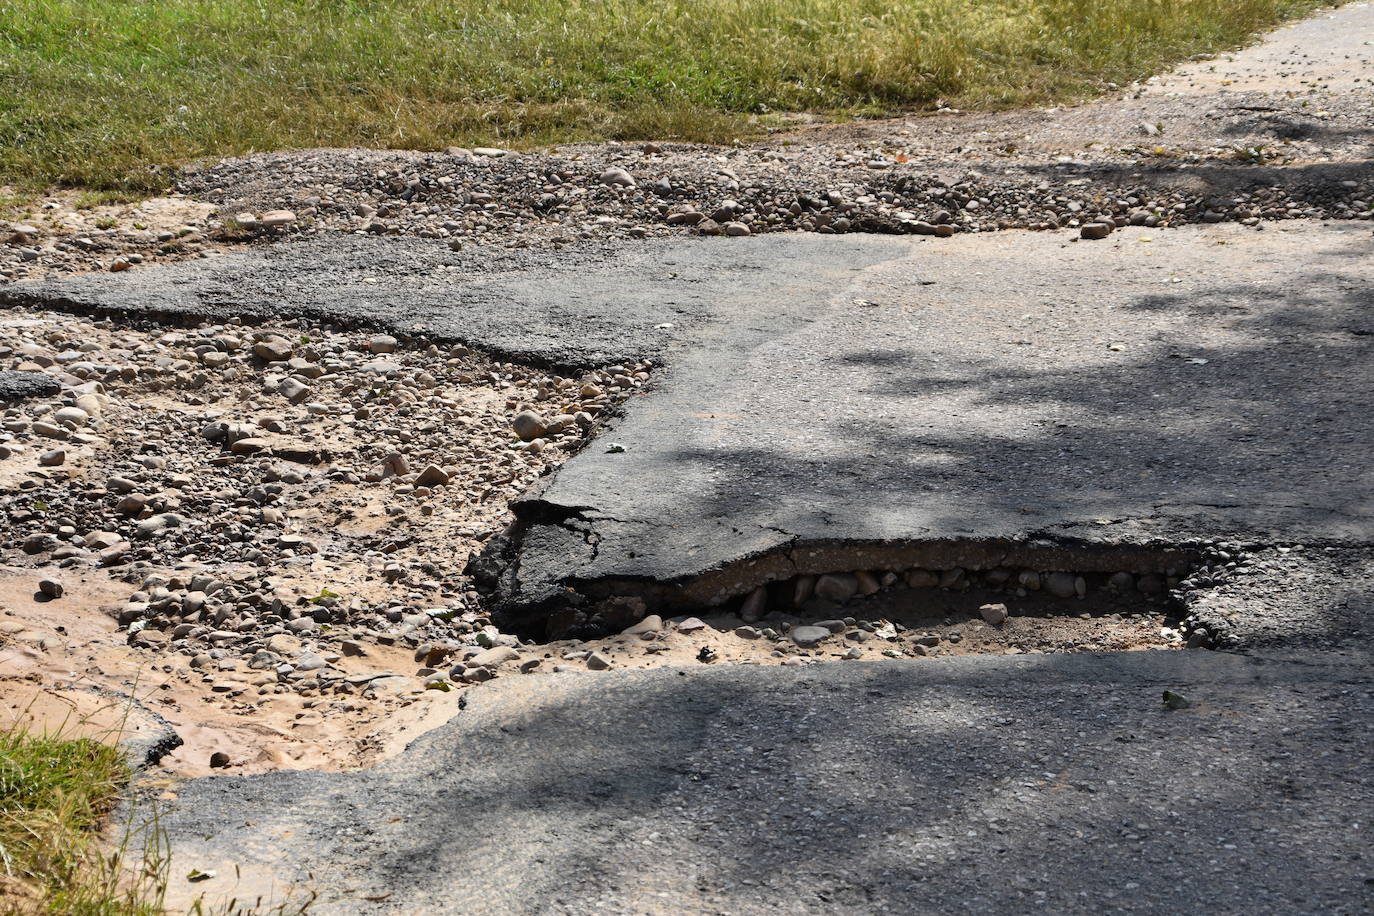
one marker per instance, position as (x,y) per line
(931,598)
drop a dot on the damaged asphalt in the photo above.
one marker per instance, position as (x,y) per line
(1211,382)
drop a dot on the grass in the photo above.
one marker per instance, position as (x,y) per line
(114,94)
(55,794)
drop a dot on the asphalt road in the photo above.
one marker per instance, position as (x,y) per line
(983,785)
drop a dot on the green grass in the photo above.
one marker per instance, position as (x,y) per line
(112,94)
(55,794)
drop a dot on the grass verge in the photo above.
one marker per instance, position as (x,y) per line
(111,94)
(55,793)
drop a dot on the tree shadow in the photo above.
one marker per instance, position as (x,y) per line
(979,784)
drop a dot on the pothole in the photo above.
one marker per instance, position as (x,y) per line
(918,599)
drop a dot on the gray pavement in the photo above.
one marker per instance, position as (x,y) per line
(983,785)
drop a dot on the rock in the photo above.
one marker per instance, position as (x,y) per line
(808,637)
(51,588)
(953,578)
(382,343)
(283,644)
(275,219)
(53,458)
(528,425)
(868,583)
(649,626)
(755,605)
(1121,582)
(274,349)
(309,661)
(1095,231)
(837,587)
(293,390)
(74,415)
(995,614)
(736,229)
(151,526)
(494,657)
(1060,584)
(747,632)
(431,476)
(834,626)
(219,760)
(803,587)
(617,177)
(691,624)
(39,543)
(922,578)
(1151,584)
(50,430)
(598,662)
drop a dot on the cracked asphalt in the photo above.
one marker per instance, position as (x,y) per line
(1199,383)
(830,399)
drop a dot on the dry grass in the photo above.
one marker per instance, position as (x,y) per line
(112,94)
(55,794)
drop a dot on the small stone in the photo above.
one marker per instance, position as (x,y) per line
(598,662)
(647,627)
(53,458)
(736,229)
(275,219)
(219,760)
(1095,231)
(51,588)
(293,390)
(431,476)
(382,343)
(747,632)
(274,349)
(528,425)
(995,614)
(74,415)
(617,177)
(494,657)
(807,637)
